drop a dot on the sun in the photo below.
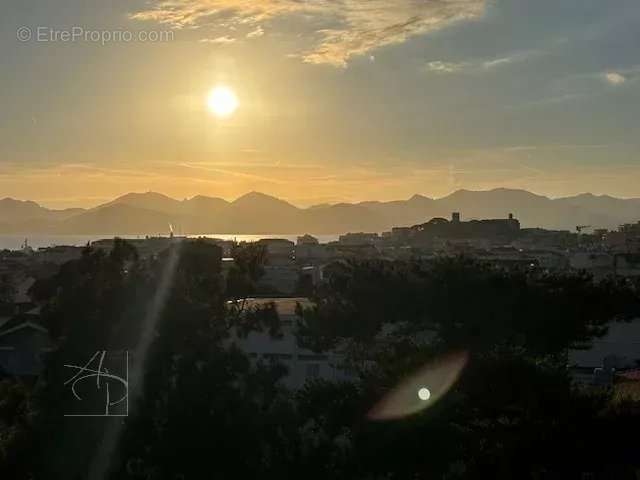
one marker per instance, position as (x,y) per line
(222,101)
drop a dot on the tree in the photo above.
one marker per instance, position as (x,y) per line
(249,260)
(7,289)
(513,413)
(203,409)
(17,432)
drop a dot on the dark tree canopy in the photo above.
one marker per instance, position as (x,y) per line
(469,305)
(203,409)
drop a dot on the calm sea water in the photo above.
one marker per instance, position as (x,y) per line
(15,242)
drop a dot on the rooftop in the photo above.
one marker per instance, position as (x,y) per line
(284,306)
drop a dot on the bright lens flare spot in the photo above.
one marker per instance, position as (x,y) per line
(411,395)
(222,101)
(424,394)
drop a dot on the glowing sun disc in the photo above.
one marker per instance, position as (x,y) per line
(222,101)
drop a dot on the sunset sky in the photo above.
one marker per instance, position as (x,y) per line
(338,100)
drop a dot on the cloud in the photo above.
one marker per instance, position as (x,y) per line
(475,66)
(360,25)
(257,32)
(586,85)
(498,62)
(225,40)
(614,78)
(446,67)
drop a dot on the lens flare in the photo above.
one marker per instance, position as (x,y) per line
(424,394)
(99,466)
(422,389)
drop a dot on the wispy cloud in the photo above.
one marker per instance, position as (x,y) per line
(361,25)
(614,78)
(499,62)
(446,67)
(529,148)
(224,40)
(478,66)
(255,33)
(622,76)
(233,173)
(586,85)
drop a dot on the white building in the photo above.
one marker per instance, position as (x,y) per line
(302,364)
(618,349)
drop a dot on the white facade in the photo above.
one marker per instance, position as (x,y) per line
(619,349)
(302,364)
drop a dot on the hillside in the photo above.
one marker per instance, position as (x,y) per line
(257,213)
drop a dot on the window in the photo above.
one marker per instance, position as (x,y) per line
(277,356)
(313,371)
(316,358)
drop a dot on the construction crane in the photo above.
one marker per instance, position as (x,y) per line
(579,228)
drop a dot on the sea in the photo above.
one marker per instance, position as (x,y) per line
(15,242)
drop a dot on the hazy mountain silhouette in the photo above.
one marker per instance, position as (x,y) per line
(18,210)
(118,219)
(604,204)
(17,216)
(201,205)
(152,213)
(148,201)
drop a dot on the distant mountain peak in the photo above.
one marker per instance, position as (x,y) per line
(419,198)
(205,197)
(202,202)
(9,200)
(141,195)
(147,201)
(495,191)
(590,195)
(259,197)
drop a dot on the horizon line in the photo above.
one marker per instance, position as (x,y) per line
(231,201)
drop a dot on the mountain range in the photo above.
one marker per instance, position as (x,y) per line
(257,213)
